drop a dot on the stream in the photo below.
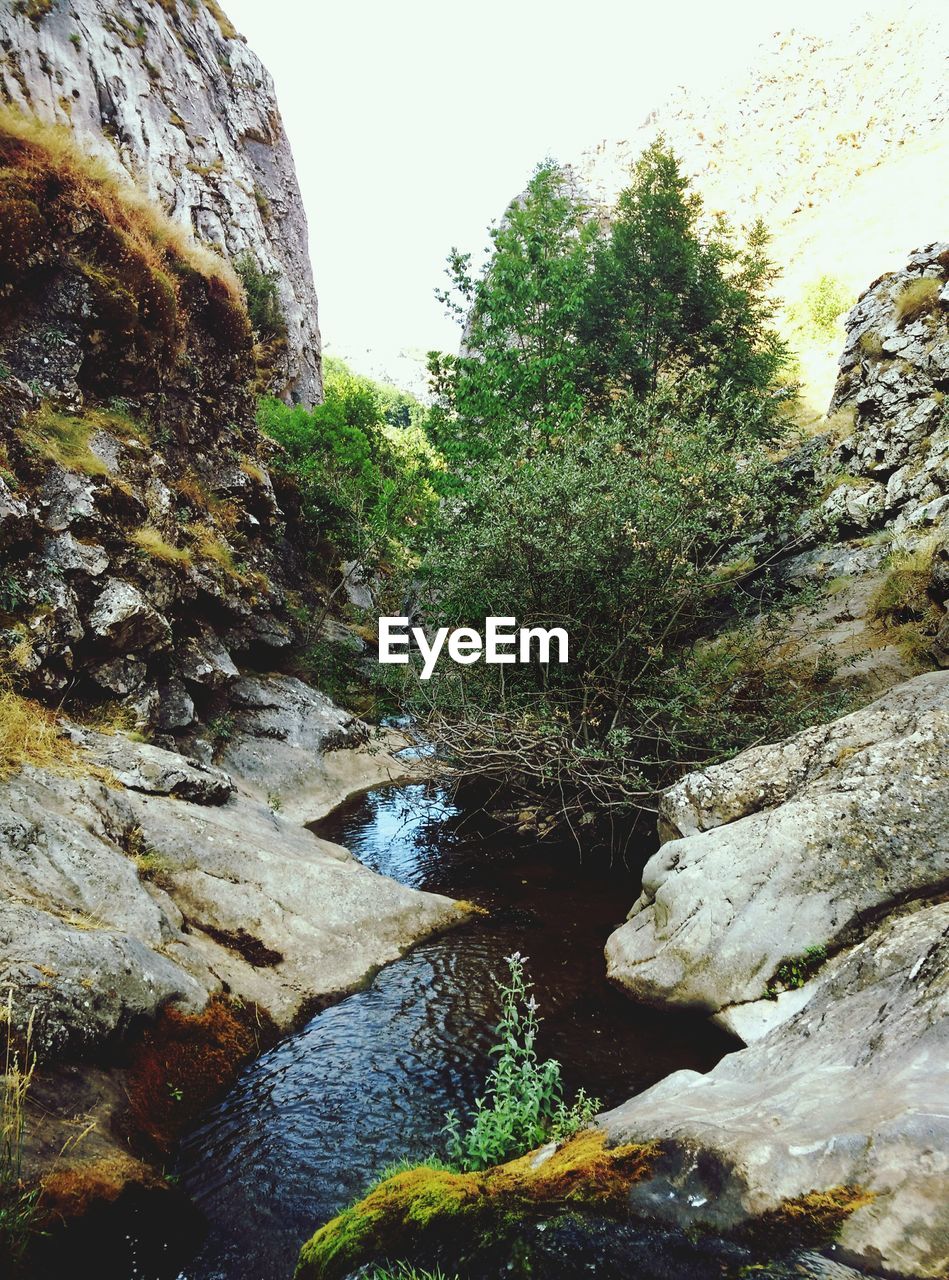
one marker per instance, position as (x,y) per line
(367,1081)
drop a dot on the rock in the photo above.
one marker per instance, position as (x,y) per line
(122,676)
(941,643)
(851,1092)
(789,848)
(140,766)
(175,708)
(116,901)
(72,556)
(204,661)
(292,742)
(123,617)
(190,109)
(14,515)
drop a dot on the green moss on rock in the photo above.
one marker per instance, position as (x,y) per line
(417,1208)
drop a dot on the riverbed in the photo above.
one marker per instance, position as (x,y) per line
(367,1081)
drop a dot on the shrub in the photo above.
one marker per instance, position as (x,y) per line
(523,1103)
(917,298)
(263,297)
(823,302)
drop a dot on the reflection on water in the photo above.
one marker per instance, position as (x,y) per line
(368,1081)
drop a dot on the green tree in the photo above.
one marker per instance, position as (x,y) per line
(667,294)
(517,377)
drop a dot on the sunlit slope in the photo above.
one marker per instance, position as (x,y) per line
(839,144)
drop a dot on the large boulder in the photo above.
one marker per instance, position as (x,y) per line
(789,852)
(292,746)
(851,1093)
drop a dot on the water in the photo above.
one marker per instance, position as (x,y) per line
(367,1081)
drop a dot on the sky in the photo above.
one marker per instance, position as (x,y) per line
(414,122)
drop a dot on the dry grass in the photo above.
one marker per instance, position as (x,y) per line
(210,546)
(65,439)
(253,471)
(29,734)
(916,299)
(105,189)
(151,541)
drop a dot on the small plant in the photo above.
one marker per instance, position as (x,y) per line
(523,1103)
(12,593)
(263,299)
(274,801)
(174,1093)
(405,1271)
(221,729)
(795,971)
(17,1201)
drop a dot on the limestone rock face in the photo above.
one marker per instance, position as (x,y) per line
(789,848)
(852,1091)
(171,93)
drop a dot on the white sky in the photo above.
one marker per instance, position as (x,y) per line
(414,122)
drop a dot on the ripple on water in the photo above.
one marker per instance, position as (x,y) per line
(367,1081)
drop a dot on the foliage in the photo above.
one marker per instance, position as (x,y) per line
(796,970)
(263,298)
(523,1103)
(667,294)
(521,364)
(823,302)
(573,312)
(363,483)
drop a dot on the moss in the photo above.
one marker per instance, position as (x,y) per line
(415,1208)
(184,1061)
(806,1222)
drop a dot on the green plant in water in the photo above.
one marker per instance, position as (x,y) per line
(404,1271)
(523,1104)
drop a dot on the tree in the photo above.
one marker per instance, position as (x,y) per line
(667,294)
(517,377)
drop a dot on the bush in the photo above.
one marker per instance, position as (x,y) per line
(263,297)
(823,302)
(363,483)
(523,1104)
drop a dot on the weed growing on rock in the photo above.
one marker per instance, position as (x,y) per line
(17,1202)
(916,299)
(523,1103)
(795,971)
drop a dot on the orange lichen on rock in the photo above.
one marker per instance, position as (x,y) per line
(183,1061)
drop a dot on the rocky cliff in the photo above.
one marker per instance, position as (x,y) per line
(799,897)
(167,91)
